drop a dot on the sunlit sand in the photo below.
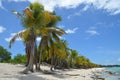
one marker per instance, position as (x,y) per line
(13,72)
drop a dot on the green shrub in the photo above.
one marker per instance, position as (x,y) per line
(19,58)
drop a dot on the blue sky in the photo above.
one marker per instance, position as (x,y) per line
(92,26)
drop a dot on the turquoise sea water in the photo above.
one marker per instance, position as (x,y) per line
(112,73)
(114,69)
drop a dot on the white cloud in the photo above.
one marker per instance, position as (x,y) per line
(92,32)
(52,4)
(2,29)
(85,8)
(7,39)
(11,35)
(17,0)
(71,31)
(111,6)
(79,12)
(116,12)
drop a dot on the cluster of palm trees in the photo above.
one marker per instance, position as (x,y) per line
(40,23)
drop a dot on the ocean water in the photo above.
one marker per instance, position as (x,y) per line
(112,73)
(114,69)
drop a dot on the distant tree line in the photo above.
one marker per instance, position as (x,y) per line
(109,65)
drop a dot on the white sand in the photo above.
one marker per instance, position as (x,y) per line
(12,72)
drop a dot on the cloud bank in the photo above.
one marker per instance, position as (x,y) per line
(110,6)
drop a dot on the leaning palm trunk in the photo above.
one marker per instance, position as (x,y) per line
(40,54)
(32,45)
(43,45)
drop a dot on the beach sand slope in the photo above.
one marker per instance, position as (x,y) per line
(13,72)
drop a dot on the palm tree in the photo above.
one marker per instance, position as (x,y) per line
(48,39)
(72,57)
(62,54)
(49,33)
(38,23)
(31,19)
(25,36)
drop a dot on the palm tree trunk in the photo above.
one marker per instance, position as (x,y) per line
(32,45)
(27,54)
(40,57)
(39,62)
(35,57)
(56,63)
(30,65)
(52,63)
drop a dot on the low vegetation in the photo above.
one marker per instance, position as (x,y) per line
(5,56)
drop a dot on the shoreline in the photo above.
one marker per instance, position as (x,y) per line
(12,72)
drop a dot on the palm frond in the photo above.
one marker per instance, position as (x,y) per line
(29,13)
(17,13)
(17,35)
(57,30)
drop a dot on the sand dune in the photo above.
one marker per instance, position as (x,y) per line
(13,72)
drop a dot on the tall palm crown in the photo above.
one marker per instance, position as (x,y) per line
(33,15)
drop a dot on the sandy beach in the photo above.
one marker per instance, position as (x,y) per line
(12,72)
